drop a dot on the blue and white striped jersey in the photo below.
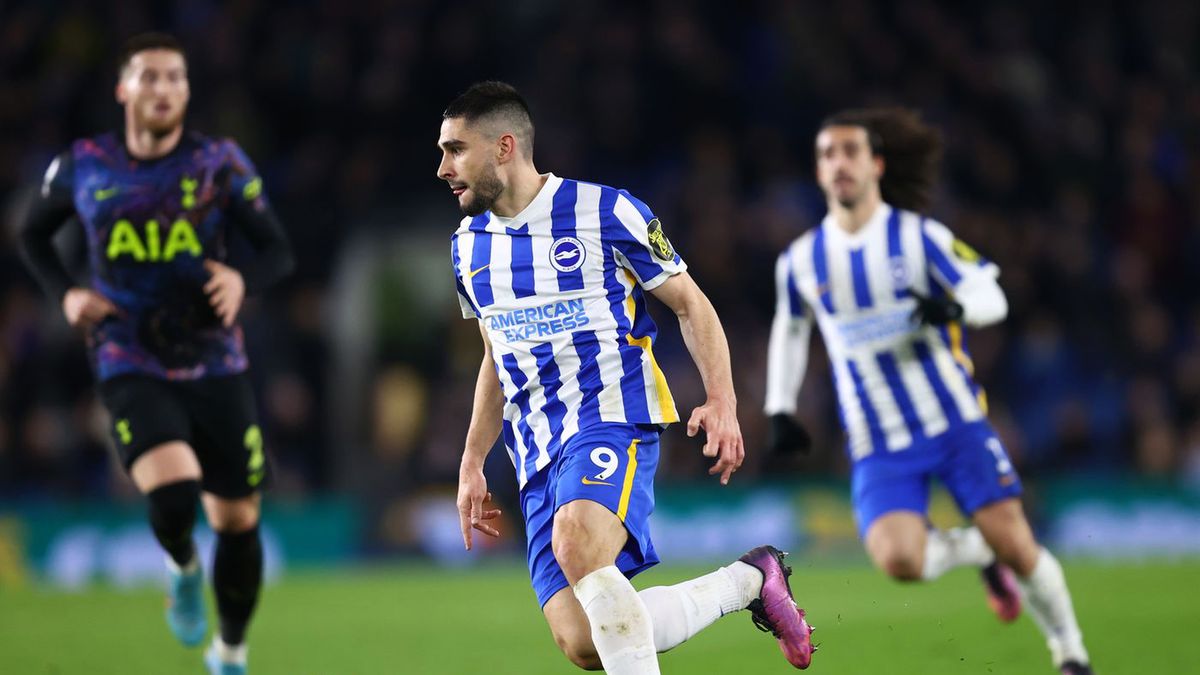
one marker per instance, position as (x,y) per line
(559,289)
(897,382)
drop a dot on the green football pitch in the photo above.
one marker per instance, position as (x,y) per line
(415,619)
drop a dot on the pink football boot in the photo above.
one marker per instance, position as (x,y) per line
(1003,597)
(775,610)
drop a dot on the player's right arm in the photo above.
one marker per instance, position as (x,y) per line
(486,418)
(51,208)
(787,360)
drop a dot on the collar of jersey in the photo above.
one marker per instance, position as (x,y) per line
(541,202)
(876,220)
(187,141)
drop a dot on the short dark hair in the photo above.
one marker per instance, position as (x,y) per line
(911,151)
(490,100)
(145,41)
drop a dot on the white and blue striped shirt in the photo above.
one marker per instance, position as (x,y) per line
(559,289)
(897,382)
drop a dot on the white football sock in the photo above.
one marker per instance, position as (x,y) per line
(1049,604)
(678,612)
(235,654)
(947,549)
(621,626)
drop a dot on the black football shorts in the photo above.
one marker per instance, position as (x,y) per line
(216,416)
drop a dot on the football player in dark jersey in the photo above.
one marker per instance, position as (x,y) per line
(159,311)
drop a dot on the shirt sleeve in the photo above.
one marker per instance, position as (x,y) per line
(469,311)
(787,350)
(52,207)
(641,244)
(964,273)
(249,208)
(950,259)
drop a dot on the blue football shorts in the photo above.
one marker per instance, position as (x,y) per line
(968,459)
(611,464)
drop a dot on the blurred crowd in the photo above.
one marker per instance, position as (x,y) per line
(1073,158)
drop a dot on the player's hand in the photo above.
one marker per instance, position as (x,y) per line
(723,435)
(473,502)
(225,290)
(935,311)
(786,436)
(85,308)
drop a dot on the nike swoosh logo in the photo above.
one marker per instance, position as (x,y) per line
(587,481)
(474,272)
(101,195)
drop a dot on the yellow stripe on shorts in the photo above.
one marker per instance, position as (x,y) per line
(627,488)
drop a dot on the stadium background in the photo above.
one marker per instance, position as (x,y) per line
(1072,133)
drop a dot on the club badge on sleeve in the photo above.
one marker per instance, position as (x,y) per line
(964,252)
(659,243)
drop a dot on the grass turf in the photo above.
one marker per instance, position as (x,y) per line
(416,619)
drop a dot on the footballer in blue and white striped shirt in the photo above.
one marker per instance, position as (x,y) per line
(556,271)
(890,290)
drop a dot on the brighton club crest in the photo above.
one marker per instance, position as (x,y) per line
(567,254)
(899,269)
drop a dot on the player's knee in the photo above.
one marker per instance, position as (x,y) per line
(581,653)
(586,661)
(902,567)
(571,630)
(575,642)
(233,516)
(1019,553)
(571,543)
(572,555)
(898,562)
(173,506)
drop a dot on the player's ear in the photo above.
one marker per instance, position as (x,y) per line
(119,91)
(506,148)
(880,164)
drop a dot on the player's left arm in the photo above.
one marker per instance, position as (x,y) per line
(250,210)
(705,340)
(644,250)
(975,297)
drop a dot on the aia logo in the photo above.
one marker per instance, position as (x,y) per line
(567,254)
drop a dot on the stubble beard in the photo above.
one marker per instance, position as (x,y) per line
(850,199)
(485,191)
(159,127)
